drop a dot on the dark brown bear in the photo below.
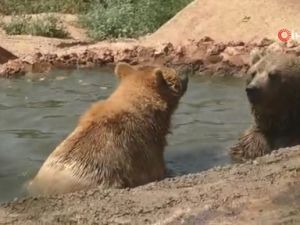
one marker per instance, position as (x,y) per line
(118,142)
(273,90)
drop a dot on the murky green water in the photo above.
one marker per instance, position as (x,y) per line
(37,114)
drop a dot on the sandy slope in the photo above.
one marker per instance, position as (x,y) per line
(228,20)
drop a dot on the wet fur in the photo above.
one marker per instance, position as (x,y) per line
(118,142)
(278,125)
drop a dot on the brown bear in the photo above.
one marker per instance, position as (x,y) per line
(118,142)
(273,90)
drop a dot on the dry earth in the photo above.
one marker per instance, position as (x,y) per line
(228,20)
(23,45)
(262,192)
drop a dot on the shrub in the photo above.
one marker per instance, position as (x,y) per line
(9,7)
(102,18)
(128,18)
(47,26)
(15,26)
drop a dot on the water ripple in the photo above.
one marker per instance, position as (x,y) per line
(5,107)
(28,133)
(45,104)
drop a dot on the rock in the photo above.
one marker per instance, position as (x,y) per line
(296,50)
(13,68)
(214,59)
(236,43)
(265,42)
(207,39)
(164,49)
(216,49)
(5,56)
(236,56)
(236,60)
(275,47)
(292,44)
(232,51)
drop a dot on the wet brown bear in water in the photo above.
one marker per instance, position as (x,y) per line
(273,90)
(118,142)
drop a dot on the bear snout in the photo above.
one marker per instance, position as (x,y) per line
(253,93)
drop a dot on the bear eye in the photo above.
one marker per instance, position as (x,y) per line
(253,74)
(274,75)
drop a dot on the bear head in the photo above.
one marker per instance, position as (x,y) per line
(156,81)
(273,88)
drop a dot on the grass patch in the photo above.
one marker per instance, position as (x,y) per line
(18,7)
(47,26)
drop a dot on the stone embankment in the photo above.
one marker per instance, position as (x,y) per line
(202,57)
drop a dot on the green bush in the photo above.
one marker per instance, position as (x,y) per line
(9,7)
(128,18)
(47,26)
(102,18)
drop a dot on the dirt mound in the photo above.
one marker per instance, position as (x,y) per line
(229,20)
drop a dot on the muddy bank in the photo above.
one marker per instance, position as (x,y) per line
(265,191)
(202,57)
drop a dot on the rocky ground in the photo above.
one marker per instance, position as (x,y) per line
(265,191)
(204,56)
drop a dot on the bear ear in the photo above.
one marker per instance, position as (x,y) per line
(159,76)
(255,56)
(123,69)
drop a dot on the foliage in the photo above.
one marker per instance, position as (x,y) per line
(102,18)
(9,7)
(47,26)
(129,18)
